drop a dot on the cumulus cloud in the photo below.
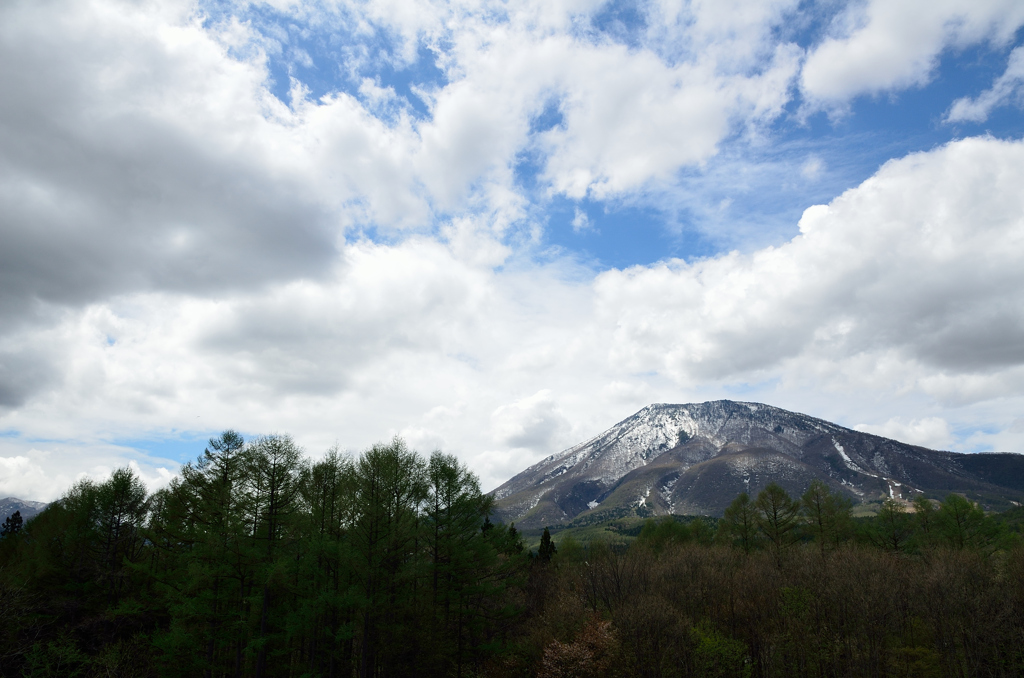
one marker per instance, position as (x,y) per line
(906,284)
(535,422)
(180,250)
(44,473)
(580,221)
(932,432)
(1005,89)
(142,149)
(921,261)
(884,46)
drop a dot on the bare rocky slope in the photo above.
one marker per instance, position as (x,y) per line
(694,459)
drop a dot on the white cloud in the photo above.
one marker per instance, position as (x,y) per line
(812,168)
(917,267)
(931,432)
(1006,87)
(905,286)
(884,46)
(631,120)
(535,422)
(45,474)
(148,144)
(580,221)
(181,251)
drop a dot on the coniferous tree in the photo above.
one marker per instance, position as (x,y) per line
(777,518)
(826,514)
(738,525)
(892,527)
(121,513)
(925,520)
(203,562)
(390,489)
(12,525)
(326,608)
(273,464)
(454,525)
(964,525)
(547,547)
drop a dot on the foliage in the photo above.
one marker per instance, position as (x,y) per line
(256,561)
(11,525)
(547,547)
(777,516)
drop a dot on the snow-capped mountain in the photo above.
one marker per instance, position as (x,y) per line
(695,458)
(28,509)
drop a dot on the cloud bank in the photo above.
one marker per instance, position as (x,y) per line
(182,250)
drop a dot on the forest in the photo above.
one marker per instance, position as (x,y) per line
(256,561)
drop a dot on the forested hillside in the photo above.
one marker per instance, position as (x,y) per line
(258,562)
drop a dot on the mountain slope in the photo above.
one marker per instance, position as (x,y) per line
(8,505)
(695,459)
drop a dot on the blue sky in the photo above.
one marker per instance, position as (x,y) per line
(497,228)
(848,145)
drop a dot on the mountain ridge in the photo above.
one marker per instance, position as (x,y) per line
(28,509)
(694,458)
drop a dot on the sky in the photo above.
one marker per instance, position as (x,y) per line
(498,227)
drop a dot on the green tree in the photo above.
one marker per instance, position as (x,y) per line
(273,465)
(326,609)
(738,525)
(777,518)
(925,520)
(964,525)
(391,486)
(206,566)
(892,528)
(121,514)
(461,546)
(826,514)
(659,533)
(12,525)
(547,547)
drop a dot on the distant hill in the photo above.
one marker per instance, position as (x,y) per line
(8,505)
(694,459)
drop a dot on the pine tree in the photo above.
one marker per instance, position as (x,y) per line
(827,515)
(964,524)
(390,490)
(925,520)
(122,510)
(273,465)
(547,547)
(893,528)
(12,525)
(738,525)
(777,518)
(325,606)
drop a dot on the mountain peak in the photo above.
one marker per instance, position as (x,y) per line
(695,458)
(28,509)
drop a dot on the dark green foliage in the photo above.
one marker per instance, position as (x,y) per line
(12,525)
(256,562)
(658,533)
(892,527)
(547,547)
(925,519)
(716,655)
(826,515)
(777,518)
(259,562)
(738,525)
(963,525)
